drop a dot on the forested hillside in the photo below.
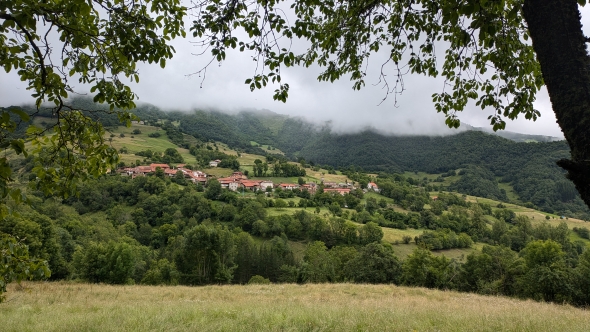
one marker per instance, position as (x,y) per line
(161,228)
(529,169)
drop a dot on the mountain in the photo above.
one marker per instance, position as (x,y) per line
(517,137)
(488,161)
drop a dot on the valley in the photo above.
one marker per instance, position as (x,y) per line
(429,219)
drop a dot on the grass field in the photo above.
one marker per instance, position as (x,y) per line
(535,215)
(281,307)
(512,196)
(141,142)
(421,175)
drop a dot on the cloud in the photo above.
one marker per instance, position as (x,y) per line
(223,88)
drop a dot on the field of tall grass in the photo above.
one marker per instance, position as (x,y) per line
(283,307)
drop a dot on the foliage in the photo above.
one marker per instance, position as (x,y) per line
(98,48)
(342,37)
(258,280)
(480,182)
(375,263)
(446,239)
(421,268)
(149,230)
(16,265)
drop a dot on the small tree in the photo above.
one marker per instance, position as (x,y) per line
(213,189)
(16,265)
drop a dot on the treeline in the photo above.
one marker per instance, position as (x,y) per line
(170,155)
(235,130)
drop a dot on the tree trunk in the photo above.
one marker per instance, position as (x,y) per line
(560,45)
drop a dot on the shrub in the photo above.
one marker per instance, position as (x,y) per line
(582,232)
(260,280)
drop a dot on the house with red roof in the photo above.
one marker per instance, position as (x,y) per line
(287,186)
(229,183)
(373,186)
(310,187)
(253,185)
(170,172)
(341,191)
(162,166)
(266,184)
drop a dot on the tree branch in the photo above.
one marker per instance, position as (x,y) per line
(9,17)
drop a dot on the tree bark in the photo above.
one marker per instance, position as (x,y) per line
(560,45)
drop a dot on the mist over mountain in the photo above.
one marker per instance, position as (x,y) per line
(525,163)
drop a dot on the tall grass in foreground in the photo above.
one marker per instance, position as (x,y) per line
(325,307)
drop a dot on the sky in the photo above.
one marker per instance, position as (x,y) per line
(223,89)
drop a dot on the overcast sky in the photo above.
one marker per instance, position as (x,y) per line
(224,89)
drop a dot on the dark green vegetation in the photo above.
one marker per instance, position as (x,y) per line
(165,230)
(151,230)
(489,59)
(483,162)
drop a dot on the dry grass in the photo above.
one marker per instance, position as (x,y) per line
(535,215)
(338,178)
(326,307)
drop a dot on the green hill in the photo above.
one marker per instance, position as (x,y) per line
(489,165)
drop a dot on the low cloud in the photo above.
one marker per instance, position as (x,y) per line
(223,89)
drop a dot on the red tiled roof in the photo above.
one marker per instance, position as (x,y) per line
(250,182)
(144,169)
(226,180)
(337,190)
(162,166)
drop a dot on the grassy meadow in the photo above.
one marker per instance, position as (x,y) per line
(279,307)
(141,142)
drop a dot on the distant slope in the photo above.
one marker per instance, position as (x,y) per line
(517,137)
(529,168)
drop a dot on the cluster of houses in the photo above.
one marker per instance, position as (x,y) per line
(238,181)
(194,176)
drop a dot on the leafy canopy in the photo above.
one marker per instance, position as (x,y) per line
(487,56)
(96,43)
(50,44)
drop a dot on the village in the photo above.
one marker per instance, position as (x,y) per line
(238,181)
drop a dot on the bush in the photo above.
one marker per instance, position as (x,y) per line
(154,134)
(582,232)
(258,280)
(407,239)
